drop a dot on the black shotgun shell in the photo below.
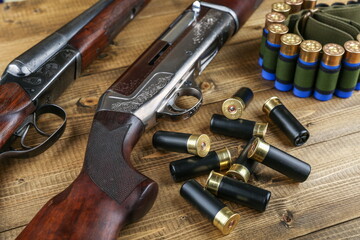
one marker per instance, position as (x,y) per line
(239,128)
(243,167)
(233,107)
(237,191)
(278,160)
(213,209)
(182,142)
(283,118)
(192,167)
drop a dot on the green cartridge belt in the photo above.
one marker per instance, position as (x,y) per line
(337,24)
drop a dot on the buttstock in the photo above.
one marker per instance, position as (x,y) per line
(100,31)
(15,107)
(108,194)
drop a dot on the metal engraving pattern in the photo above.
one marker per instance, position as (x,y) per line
(57,73)
(158,82)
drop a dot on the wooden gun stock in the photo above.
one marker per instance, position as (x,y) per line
(15,106)
(108,193)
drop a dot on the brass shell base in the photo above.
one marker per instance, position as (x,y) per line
(213,182)
(198,145)
(232,108)
(259,149)
(260,129)
(239,172)
(226,220)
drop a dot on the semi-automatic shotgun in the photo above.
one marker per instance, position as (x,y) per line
(109,193)
(32,81)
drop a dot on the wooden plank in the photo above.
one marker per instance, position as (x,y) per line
(314,209)
(346,230)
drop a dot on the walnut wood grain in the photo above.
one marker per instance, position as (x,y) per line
(15,106)
(242,8)
(137,73)
(99,32)
(108,194)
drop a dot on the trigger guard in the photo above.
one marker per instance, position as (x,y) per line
(26,153)
(176,113)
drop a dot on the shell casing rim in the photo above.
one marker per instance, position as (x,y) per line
(258,150)
(269,20)
(290,49)
(260,129)
(276,30)
(239,105)
(281,7)
(239,172)
(352,56)
(332,59)
(308,55)
(270,104)
(295,6)
(226,220)
(194,145)
(213,182)
(309,4)
(224,156)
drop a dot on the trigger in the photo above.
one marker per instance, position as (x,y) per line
(173,112)
(31,120)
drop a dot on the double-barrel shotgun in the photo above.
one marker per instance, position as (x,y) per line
(109,192)
(32,81)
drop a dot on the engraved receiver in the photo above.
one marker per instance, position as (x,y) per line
(109,193)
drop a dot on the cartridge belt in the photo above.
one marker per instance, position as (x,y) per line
(335,24)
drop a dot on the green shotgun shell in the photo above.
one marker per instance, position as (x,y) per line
(271,18)
(286,64)
(306,69)
(272,48)
(350,70)
(329,71)
(295,5)
(281,7)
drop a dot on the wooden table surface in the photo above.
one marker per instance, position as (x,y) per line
(326,206)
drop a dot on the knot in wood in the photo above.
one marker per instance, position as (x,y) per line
(88,102)
(287,218)
(207,86)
